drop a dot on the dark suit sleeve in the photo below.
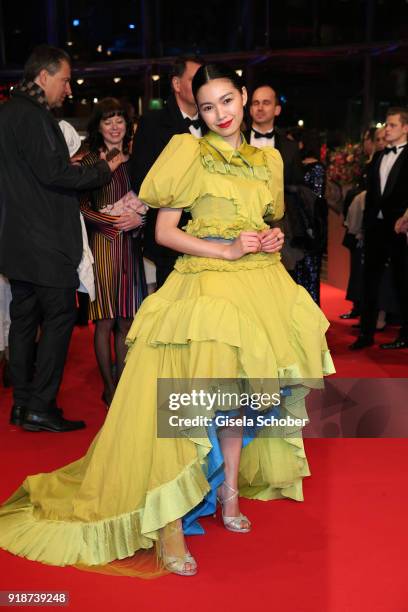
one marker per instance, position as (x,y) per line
(294,173)
(372,170)
(297,168)
(48,162)
(144,151)
(292,163)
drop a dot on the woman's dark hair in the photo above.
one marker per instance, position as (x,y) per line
(209,72)
(310,140)
(105,109)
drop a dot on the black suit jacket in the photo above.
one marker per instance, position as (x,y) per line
(293,171)
(394,201)
(155,130)
(40,230)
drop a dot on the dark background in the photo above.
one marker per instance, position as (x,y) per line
(337,63)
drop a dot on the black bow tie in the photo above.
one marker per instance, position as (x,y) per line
(270,134)
(393,149)
(194,122)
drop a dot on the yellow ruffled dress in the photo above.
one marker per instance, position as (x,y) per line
(211,319)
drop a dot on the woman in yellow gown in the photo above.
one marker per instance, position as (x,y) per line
(228,310)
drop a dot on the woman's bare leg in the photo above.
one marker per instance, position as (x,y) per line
(173,549)
(231,446)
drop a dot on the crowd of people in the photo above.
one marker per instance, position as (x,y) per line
(376,221)
(120,239)
(203,199)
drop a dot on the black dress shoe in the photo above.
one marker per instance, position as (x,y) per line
(17,415)
(353,314)
(107,399)
(49,422)
(361,342)
(399,343)
(55,410)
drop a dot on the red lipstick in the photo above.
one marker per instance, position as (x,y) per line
(225,125)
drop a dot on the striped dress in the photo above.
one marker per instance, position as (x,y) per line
(119,272)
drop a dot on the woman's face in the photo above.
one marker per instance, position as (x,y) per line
(113,130)
(221,106)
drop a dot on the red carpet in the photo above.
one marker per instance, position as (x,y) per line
(342,550)
(373,362)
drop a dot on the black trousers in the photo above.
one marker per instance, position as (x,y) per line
(381,245)
(83,306)
(55,309)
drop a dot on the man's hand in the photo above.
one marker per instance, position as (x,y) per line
(271,240)
(128,221)
(401,225)
(114,162)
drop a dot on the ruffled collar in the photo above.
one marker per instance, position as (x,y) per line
(218,156)
(220,149)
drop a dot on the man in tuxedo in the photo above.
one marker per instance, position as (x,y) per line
(155,129)
(384,225)
(40,236)
(264,108)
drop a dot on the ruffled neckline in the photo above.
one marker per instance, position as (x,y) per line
(218,156)
(220,149)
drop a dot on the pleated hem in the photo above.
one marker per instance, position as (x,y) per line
(268,471)
(76,542)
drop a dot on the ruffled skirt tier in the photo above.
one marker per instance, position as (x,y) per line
(253,323)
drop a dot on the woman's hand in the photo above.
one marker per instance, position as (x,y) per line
(247,242)
(271,240)
(132,202)
(128,221)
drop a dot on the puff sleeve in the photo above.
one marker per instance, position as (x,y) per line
(173,180)
(274,165)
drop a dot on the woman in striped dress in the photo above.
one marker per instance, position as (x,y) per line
(114,216)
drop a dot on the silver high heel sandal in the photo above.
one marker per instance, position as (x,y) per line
(174,563)
(177,565)
(233,523)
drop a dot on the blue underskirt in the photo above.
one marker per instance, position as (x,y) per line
(215,466)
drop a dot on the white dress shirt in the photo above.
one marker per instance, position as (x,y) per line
(194,131)
(85,268)
(261,142)
(387,163)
